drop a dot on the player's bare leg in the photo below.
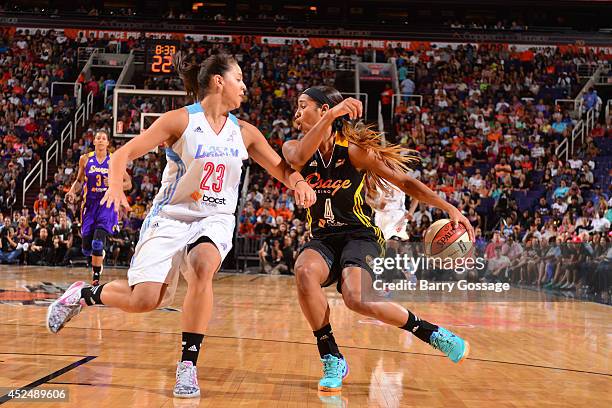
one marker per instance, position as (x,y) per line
(357,289)
(311,271)
(142,297)
(204,261)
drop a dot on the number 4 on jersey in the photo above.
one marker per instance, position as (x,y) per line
(329,213)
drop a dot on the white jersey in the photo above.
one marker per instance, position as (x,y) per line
(391,219)
(202,176)
(394,199)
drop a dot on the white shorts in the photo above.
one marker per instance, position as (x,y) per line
(161,251)
(392,223)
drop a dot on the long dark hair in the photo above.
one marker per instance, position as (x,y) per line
(392,155)
(196,77)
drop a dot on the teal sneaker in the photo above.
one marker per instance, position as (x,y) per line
(334,371)
(450,344)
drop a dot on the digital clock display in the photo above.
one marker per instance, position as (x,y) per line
(159,56)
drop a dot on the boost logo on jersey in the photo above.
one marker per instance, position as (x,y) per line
(208,200)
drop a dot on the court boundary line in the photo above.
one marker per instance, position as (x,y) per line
(340,345)
(5,398)
(46,354)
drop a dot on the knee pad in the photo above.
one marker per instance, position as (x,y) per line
(97,247)
(86,251)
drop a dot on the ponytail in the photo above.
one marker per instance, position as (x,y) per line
(188,72)
(392,155)
(196,77)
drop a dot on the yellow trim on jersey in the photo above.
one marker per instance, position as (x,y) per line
(365,220)
(309,220)
(341,140)
(84,200)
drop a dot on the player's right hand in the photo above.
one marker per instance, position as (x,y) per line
(350,106)
(117,198)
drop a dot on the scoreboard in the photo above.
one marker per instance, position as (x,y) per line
(158,56)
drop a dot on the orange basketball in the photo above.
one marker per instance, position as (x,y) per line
(443,240)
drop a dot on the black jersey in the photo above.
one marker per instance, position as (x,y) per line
(340,188)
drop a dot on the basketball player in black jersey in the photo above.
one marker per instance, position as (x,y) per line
(339,161)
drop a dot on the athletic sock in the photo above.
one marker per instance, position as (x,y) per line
(420,328)
(92,294)
(96,273)
(326,343)
(192,342)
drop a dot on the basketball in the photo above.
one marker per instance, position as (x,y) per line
(443,240)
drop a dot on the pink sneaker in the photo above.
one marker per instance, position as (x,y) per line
(186,380)
(65,307)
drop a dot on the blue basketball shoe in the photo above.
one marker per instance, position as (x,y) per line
(334,371)
(450,344)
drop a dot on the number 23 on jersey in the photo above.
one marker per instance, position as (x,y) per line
(216,183)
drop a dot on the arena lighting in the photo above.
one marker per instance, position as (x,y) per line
(197,5)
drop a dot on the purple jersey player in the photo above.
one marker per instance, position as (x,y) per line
(97,220)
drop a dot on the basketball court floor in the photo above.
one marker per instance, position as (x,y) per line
(260,352)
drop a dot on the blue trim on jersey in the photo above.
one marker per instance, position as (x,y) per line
(172,155)
(234,119)
(169,193)
(194,108)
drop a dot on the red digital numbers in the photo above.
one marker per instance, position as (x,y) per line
(209,169)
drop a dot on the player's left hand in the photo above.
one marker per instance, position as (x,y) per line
(304,194)
(458,218)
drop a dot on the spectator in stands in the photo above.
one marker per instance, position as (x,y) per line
(10,251)
(41,249)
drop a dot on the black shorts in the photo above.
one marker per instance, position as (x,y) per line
(341,250)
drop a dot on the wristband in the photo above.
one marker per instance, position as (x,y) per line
(296,183)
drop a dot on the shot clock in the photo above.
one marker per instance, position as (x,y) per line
(159,56)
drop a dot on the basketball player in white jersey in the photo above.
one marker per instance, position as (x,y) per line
(191,224)
(390,213)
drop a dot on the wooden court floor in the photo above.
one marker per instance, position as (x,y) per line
(259,351)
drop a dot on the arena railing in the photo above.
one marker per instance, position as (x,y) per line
(67,133)
(84,53)
(590,120)
(586,70)
(582,128)
(591,83)
(89,104)
(52,153)
(82,113)
(35,173)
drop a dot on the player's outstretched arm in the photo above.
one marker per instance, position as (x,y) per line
(265,156)
(167,129)
(366,160)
